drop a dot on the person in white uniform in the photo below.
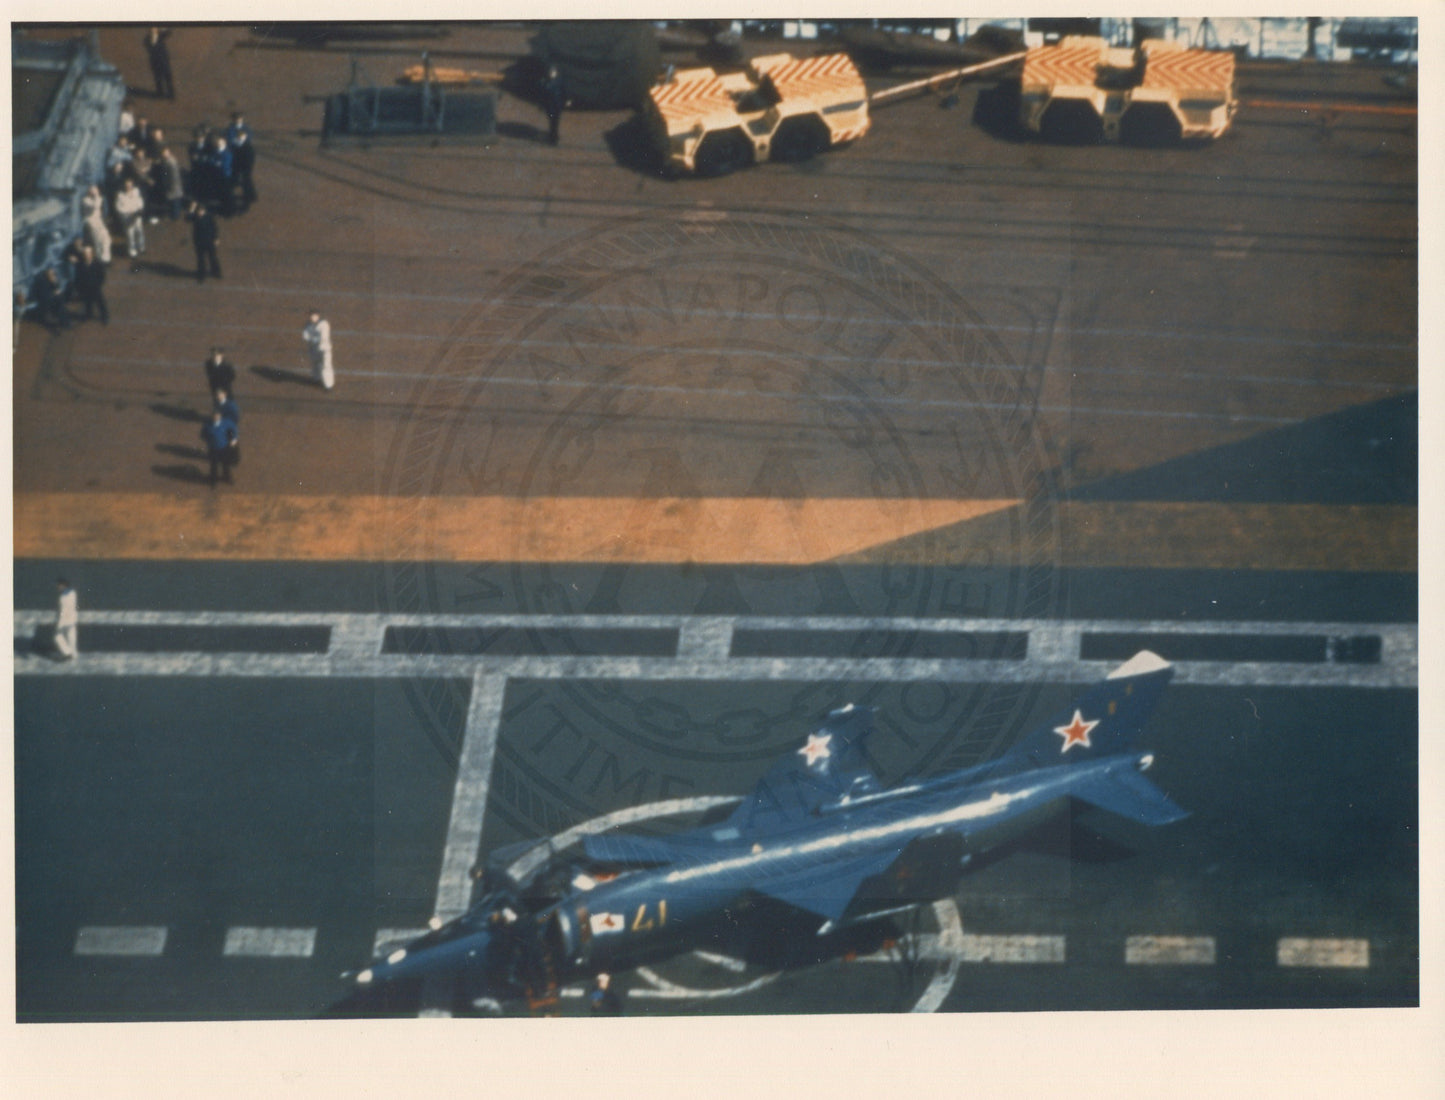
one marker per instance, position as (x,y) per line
(130,208)
(66,618)
(317,335)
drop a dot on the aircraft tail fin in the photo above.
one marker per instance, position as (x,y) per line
(1109,718)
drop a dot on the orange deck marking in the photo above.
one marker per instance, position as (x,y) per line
(709,530)
(231,526)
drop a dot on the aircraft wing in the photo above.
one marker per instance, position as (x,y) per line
(833,762)
(826,889)
(1127,793)
(636,851)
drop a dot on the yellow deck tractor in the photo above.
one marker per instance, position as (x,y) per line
(707,123)
(1082,91)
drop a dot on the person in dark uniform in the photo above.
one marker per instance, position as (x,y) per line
(168,187)
(74,256)
(90,284)
(159,55)
(205,235)
(220,375)
(50,300)
(554,99)
(198,172)
(229,410)
(219,436)
(603,999)
(223,189)
(243,158)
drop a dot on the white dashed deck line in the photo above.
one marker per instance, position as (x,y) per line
(121,940)
(469,800)
(1011,949)
(389,939)
(1169,951)
(1297,951)
(270,943)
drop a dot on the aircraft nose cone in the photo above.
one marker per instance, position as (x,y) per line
(421,958)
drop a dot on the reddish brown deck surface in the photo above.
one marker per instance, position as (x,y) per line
(1151,264)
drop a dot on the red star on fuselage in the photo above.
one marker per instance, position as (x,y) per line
(1076,732)
(816,749)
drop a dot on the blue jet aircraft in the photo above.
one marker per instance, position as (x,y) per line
(817,849)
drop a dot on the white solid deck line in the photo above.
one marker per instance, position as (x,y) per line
(469,799)
(703,645)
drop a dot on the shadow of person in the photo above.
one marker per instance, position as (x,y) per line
(179,451)
(280,374)
(41,642)
(163,267)
(523,131)
(188,474)
(178,412)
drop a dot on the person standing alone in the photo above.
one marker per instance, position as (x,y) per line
(243,158)
(317,335)
(67,617)
(205,235)
(90,284)
(159,55)
(554,99)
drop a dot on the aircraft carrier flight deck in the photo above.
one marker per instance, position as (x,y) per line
(627,480)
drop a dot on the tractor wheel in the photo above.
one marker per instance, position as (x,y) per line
(1071,122)
(722,152)
(1150,124)
(800,137)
